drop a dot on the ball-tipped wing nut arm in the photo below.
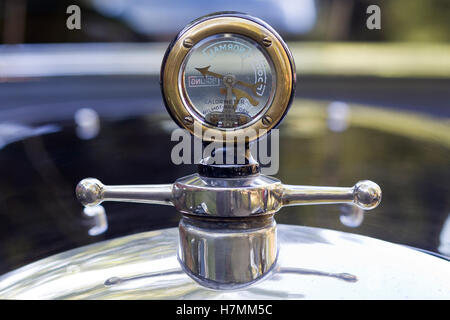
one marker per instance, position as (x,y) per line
(365,194)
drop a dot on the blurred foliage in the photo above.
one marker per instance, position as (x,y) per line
(418,20)
(401,20)
(43,21)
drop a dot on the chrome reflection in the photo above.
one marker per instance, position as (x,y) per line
(312,263)
(88,123)
(251,196)
(114,281)
(444,238)
(12,132)
(227,254)
(351,216)
(98,214)
(341,276)
(338,116)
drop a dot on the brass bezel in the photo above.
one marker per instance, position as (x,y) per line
(245,26)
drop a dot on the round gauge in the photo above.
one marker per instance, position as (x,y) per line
(227,80)
(229,73)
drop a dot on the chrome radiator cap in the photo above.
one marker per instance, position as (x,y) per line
(312,263)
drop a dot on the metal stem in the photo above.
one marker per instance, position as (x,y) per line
(365,194)
(92,192)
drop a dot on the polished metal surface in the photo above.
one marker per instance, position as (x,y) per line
(227,197)
(312,264)
(364,194)
(227,255)
(91,192)
(230,197)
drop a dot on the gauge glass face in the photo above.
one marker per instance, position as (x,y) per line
(228,80)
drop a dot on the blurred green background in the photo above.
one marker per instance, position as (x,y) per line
(43,21)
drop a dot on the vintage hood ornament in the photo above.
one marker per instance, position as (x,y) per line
(231,74)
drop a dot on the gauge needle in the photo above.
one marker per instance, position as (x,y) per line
(205,72)
(239,94)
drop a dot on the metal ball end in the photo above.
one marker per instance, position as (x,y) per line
(89,192)
(367,194)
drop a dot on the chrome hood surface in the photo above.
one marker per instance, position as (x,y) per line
(312,264)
